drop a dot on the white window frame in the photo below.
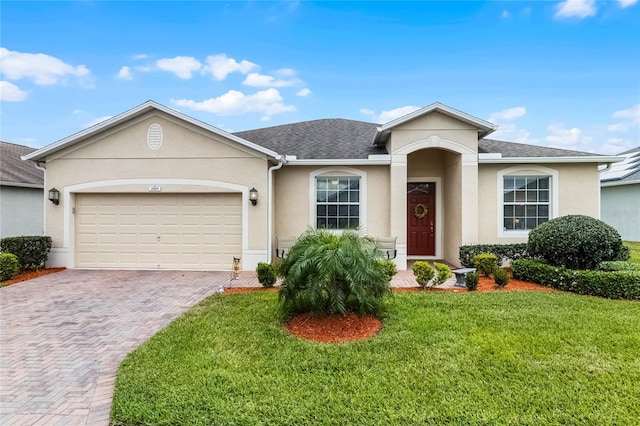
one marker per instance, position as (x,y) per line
(526,170)
(338,172)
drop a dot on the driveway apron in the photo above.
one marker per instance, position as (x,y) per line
(63,336)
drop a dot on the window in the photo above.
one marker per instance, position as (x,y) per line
(526,202)
(337,202)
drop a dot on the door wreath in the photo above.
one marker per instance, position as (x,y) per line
(420,211)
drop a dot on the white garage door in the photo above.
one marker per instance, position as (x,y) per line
(158,231)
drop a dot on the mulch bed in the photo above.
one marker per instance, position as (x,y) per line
(29,275)
(486,284)
(334,329)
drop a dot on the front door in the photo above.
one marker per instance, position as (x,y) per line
(421,219)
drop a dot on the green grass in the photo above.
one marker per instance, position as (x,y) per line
(463,358)
(634,250)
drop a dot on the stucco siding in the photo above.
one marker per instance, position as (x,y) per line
(21,211)
(578,193)
(295,196)
(189,160)
(620,208)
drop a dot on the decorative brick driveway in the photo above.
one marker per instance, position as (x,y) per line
(63,336)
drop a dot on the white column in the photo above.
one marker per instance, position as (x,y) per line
(398,207)
(469,200)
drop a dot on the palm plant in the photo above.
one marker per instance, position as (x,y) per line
(331,273)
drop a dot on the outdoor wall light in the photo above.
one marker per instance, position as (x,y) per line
(54,196)
(253,196)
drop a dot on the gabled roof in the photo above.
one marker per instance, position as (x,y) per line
(493,151)
(332,138)
(484,127)
(14,171)
(624,172)
(144,108)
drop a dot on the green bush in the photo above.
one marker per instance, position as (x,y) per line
(9,266)
(501,277)
(486,263)
(423,273)
(618,265)
(330,274)
(443,273)
(504,252)
(576,242)
(32,251)
(609,284)
(471,281)
(389,267)
(267,274)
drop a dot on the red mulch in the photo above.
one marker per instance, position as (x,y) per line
(29,275)
(486,284)
(334,329)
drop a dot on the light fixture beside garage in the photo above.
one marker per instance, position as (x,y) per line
(54,196)
(253,196)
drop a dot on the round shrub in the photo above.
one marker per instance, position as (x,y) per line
(471,281)
(576,242)
(501,277)
(486,263)
(9,266)
(389,267)
(333,274)
(267,274)
(423,273)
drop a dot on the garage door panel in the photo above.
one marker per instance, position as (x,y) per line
(166,231)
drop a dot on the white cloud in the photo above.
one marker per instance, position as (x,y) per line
(182,66)
(43,69)
(143,68)
(303,92)
(628,118)
(627,3)
(140,56)
(125,73)
(575,9)
(386,116)
(260,80)
(508,114)
(367,111)
(96,121)
(267,102)
(561,137)
(9,92)
(221,66)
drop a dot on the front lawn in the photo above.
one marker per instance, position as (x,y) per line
(634,250)
(461,358)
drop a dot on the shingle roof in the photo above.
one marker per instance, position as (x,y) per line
(14,170)
(512,149)
(627,170)
(332,138)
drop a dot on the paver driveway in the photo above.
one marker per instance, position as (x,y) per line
(63,336)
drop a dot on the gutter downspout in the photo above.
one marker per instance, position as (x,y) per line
(278,166)
(44,195)
(606,167)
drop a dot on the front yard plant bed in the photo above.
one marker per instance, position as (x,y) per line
(440,358)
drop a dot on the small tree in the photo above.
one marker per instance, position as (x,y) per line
(332,274)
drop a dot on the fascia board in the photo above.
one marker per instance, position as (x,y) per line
(531,160)
(22,185)
(619,182)
(140,109)
(340,162)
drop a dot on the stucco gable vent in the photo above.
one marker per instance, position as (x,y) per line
(154,136)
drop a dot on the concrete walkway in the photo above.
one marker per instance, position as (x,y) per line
(63,336)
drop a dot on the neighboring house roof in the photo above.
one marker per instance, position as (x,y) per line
(624,172)
(14,171)
(42,153)
(332,138)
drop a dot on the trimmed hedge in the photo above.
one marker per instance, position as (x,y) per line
(504,252)
(485,263)
(32,251)
(609,284)
(8,266)
(618,265)
(576,242)
(267,274)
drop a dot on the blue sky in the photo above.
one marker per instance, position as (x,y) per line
(551,73)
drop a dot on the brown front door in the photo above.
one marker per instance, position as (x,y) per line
(421,219)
